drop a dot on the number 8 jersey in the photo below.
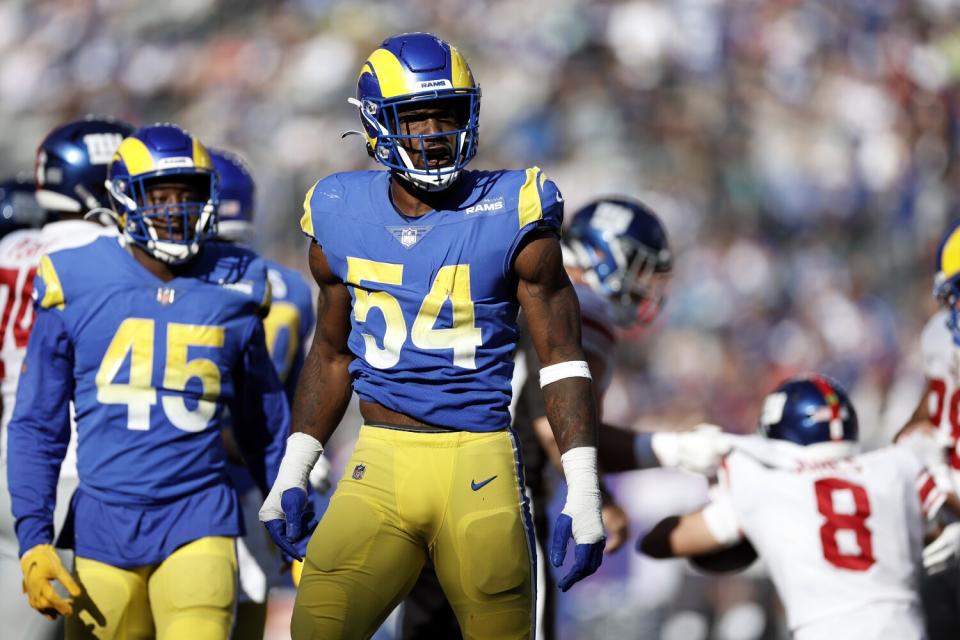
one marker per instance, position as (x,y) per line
(434,297)
(150,366)
(841,537)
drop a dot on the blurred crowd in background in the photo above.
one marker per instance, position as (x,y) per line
(803,155)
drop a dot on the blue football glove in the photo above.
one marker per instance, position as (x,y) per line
(287,512)
(292,532)
(586,559)
(580,518)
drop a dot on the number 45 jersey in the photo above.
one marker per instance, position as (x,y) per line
(842,538)
(150,366)
(434,322)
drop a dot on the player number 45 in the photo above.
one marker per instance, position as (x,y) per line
(136,338)
(452,283)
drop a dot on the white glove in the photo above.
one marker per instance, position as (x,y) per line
(320,476)
(698,451)
(943,551)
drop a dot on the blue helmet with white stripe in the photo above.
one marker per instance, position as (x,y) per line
(72,161)
(808,410)
(622,248)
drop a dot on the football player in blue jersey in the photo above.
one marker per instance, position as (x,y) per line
(70,175)
(286,326)
(152,335)
(422,271)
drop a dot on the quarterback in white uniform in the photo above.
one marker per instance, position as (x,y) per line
(841,533)
(70,182)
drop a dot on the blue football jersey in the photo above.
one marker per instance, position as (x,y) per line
(434,320)
(289,322)
(150,367)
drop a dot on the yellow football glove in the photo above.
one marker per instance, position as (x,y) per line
(296,570)
(40,565)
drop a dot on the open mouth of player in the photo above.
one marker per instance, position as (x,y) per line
(438,157)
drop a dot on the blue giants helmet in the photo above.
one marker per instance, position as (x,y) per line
(18,205)
(71,169)
(237,189)
(946,284)
(623,250)
(809,410)
(164,154)
(417,69)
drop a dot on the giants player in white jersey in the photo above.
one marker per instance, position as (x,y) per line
(841,533)
(70,176)
(940,406)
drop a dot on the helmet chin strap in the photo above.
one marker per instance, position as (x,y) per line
(429,182)
(174,253)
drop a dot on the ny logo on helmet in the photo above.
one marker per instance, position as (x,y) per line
(101,146)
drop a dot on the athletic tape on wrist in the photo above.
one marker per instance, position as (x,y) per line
(561,370)
(583,493)
(301,455)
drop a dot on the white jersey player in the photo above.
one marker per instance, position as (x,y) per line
(940,407)
(841,534)
(70,182)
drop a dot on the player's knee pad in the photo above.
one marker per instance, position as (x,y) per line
(113,603)
(495,556)
(344,536)
(201,575)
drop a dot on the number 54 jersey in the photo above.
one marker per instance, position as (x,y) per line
(842,538)
(150,366)
(434,322)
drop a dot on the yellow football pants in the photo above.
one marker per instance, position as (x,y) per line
(191,594)
(453,495)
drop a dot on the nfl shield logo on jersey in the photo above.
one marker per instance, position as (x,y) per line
(408,236)
(358,471)
(165,295)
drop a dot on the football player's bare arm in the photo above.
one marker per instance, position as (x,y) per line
(323,390)
(541,425)
(615,520)
(680,536)
(550,305)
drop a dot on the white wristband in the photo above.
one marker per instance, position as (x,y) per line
(583,494)
(561,370)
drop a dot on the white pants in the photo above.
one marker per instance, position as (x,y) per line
(879,621)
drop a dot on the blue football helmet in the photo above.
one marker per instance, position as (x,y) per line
(808,410)
(72,161)
(164,154)
(18,205)
(417,70)
(623,250)
(946,284)
(237,189)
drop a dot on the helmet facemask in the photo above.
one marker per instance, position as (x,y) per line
(408,154)
(168,215)
(628,274)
